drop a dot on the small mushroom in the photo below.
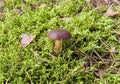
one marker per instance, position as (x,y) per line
(59,35)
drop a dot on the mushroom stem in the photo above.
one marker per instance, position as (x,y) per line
(58,46)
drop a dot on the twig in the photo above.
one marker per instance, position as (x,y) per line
(99,56)
(29,77)
(89,57)
(6,82)
(112,55)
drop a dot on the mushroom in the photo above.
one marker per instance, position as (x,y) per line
(59,35)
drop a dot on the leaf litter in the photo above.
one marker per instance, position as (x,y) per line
(26,40)
(103,3)
(111,12)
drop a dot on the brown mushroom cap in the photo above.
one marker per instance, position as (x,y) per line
(59,34)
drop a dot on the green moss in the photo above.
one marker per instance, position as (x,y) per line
(36,63)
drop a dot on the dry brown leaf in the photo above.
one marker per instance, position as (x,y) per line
(99,3)
(110,12)
(117,2)
(102,3)
(26,39)
(100,73)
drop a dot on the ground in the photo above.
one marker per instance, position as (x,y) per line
(91,56)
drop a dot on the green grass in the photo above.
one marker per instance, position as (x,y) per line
(91,31)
